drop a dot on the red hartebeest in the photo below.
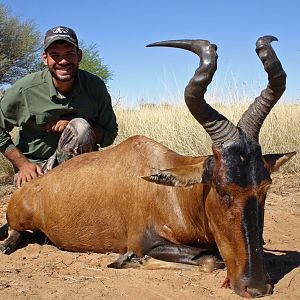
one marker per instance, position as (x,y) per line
(103,201)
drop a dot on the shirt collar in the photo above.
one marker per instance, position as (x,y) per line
(54,93)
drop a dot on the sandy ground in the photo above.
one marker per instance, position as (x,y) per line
(41,271)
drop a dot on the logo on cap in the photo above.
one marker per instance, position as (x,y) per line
(60,30)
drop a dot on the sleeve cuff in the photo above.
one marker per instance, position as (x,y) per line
(9,145)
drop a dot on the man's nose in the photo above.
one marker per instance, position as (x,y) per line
(63,61)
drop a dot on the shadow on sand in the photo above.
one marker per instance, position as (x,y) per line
(281,262)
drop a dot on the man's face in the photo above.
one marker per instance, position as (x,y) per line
(62,59)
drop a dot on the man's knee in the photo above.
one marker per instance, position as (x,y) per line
(82,131)
(77,138)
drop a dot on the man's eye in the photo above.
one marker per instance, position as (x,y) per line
(54,56)
(71,55)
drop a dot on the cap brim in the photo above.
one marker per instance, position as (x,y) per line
(53,39)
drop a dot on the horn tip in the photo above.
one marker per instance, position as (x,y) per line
(265,40)
(150,45)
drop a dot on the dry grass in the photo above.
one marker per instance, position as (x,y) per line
(174,126)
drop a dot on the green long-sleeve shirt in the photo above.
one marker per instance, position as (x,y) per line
(33,101)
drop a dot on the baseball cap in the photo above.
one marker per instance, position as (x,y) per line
(60,33)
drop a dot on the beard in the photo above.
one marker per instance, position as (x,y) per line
(65,73)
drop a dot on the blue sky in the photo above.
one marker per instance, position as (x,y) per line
(121,29)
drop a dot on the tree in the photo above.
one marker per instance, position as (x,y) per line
(20,45)
(93,63)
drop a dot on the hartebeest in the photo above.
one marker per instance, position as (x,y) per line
(103,201)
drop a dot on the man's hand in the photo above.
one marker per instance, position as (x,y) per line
(57,126)
(27,172)
(27,169)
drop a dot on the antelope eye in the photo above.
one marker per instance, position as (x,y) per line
(226,198)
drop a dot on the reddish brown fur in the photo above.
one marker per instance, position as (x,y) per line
(222,216)
(99,202)
(107,187)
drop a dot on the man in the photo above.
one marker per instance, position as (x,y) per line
(61,111)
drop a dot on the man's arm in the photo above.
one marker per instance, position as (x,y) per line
(60,125)
(27,169)
(57,125)
(13,112)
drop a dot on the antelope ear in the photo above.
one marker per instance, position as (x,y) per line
(180,177)
(275,161)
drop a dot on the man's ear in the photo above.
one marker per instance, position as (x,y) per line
(275,161)
(79,55)
(44,58)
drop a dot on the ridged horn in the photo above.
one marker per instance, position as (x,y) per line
(253,118)
(219,128)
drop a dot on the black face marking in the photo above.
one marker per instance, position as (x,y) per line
(242,164)
(252,225)
(253,222)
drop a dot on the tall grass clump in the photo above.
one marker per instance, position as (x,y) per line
(174,127)
(171,125)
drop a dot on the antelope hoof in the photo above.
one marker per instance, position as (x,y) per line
(6,249)
(10,244)
(128,260)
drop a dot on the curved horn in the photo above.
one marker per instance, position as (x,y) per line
(253,118)
(216,125)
